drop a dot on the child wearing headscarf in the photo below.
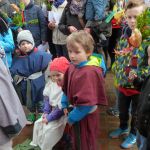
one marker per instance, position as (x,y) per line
(49,129)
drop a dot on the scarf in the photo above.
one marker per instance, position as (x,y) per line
(54,92)
(77,7)
(57,3)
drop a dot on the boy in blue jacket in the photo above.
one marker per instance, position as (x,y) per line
(28,71)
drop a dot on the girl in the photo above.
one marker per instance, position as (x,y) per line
(49,129)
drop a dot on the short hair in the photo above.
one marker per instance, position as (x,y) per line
(83,38)
(134,3)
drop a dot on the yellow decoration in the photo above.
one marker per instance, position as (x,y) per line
(136,38)
(119,15)
(15,8)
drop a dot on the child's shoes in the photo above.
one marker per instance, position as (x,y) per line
(117,133)
(129,141)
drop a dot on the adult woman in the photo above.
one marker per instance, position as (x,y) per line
(12,118)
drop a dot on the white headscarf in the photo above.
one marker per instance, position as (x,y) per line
(54,92)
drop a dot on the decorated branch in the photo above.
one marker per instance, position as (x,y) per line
(18,18)
(49,4)
(143,24)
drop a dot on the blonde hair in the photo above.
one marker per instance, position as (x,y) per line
(134,3)
(83,38)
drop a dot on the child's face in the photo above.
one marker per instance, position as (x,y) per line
(148,51)
(25,46)
(57,76)
(131,15)
(77,53)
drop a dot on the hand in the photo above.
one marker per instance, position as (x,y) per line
(88,30)
(19,29)
(44,116)
(132,75)
(44,120)
(72,29)
(65,111)
(52,25)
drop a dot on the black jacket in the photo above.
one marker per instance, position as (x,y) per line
(143,111)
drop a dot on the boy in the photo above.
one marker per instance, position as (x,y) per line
(129,57)
(28,72)
(84,90)
(35,22)
(143,83)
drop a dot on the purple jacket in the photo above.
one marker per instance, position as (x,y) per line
(53,113)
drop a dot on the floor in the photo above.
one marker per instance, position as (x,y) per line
(107,124)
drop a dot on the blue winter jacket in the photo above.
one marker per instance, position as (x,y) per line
(7,43)
(36,23)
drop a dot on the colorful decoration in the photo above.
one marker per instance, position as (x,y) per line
(135,39)
(125,51)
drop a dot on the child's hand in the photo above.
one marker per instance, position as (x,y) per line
(52,25)
(44,116)
(44,120)
(132,75)
(65,111)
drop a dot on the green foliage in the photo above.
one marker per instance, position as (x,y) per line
(143,24)
(48,5)
(22,6)
(17,19)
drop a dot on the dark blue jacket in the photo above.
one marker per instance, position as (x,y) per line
(36,23)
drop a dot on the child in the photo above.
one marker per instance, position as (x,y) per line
(128,57)
(28,73)
(142,83)
(49,129)
(35,21)
(12,118)
(84,90)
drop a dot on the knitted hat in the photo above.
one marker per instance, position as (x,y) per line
(59,64)
(25,35)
